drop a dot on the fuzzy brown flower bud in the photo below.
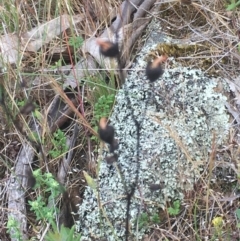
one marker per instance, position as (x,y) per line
(154,69)
(105,131)
(108,48)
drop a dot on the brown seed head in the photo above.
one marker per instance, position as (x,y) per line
(105,131)
(159,60)
(154,69)
(108,48)
(154,187)
(104,45)
(103,123)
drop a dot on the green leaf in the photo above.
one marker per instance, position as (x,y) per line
(76,41)
(143,220)
(238,47)
(171,211)
(232,5)
(38,115)
(155,218)
(176,204)
(90,181)
(238,213)
(175,209)
(51,236)
(65,234)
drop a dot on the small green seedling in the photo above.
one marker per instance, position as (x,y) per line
(41,210)
(103,106)
(143,220)
(51,189)
(175,209)
(155,219)
(13,228)
(21,103)
(76,42)
(57,64)
(59,142)
(146,220)
(64,233)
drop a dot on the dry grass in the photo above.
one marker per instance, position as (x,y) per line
(204,22)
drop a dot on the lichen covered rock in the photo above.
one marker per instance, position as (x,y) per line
(179,114)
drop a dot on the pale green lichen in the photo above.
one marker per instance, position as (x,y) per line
(184,101)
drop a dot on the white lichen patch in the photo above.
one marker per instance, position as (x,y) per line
(179,114)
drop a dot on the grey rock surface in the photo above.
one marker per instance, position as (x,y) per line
(178,114)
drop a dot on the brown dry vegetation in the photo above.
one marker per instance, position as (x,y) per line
(32,78)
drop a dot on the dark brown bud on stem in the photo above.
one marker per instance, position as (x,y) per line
(155,187)
(106,132)
(111,159)
(113,146)
(154,69)
(108,48)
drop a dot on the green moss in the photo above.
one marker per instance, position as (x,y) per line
(195,55)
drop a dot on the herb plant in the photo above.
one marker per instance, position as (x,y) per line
(59,144)
(175,209)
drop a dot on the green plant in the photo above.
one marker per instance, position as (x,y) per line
(155,218)
(146,219)
(175,209)
(9,16)
(21,103)
(47,213)
(103,106)
(52,189)
(76,41)
(233,5)
(57,64)
(13,229)
(143,220)
(218,224)
(101,96)
(64,234)
(42,211)
(59,142)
